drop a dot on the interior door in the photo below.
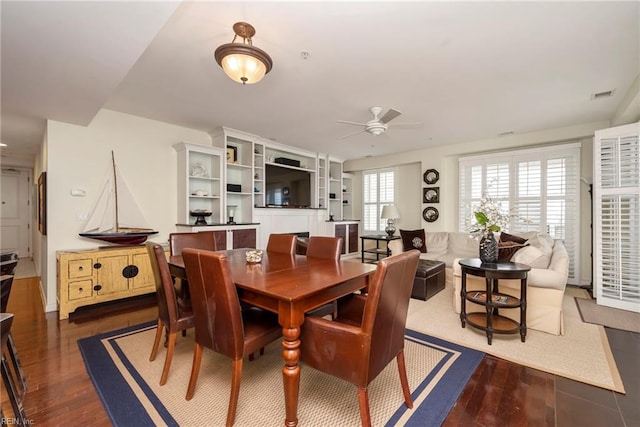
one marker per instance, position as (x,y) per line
(15,211)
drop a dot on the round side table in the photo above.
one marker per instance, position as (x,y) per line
(491,321)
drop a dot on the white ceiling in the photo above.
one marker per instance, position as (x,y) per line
(467,71)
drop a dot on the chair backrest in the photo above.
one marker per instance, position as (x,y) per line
(214,298)
(385,311)
(324,247)
(6,320)
(282,243)
(5,290)
(165,291)
(8,267)
(200,240)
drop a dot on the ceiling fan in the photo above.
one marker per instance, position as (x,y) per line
(378,125)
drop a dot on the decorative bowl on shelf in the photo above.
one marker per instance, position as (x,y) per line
(200,215)
(253,257)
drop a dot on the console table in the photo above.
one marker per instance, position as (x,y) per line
(378,250)
(491,321)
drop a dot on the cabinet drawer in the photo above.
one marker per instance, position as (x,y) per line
(80,289)
(80,268)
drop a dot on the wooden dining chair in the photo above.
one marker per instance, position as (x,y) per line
(220,323)
(324,247)
(173,314)
(19,415)
(368,333)
(282,243)
(6,284)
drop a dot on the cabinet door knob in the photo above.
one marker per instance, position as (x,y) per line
(80,268)
(80,289)
(97,265)
(97,287)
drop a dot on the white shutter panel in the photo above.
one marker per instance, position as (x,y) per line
(617,217)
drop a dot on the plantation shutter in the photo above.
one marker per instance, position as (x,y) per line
(617,217)
(378,190)
(538,187)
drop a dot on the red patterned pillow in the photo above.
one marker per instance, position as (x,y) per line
(506,237)
(413,239)
(507,249)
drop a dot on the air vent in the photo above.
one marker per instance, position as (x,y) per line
(605,94)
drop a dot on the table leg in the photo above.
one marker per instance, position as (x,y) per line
(488,308)
(523,309)
(362,248)
(463,299)
(291,373)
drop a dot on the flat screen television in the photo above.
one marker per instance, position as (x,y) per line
(287,187)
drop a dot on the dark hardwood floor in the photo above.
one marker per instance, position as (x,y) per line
(500,393)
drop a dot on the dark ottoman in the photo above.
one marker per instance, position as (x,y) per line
(429,279)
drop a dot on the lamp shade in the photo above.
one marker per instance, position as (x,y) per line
(390,212)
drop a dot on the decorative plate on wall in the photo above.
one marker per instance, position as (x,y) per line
(431,176)
(430,214)
(431,195)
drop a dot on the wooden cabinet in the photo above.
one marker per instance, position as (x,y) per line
(229,236)
(200,181)
(348,230)
(87,277)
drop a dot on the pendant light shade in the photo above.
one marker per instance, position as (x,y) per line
(243,62)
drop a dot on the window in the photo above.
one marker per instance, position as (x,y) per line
(379,190)
(538,187)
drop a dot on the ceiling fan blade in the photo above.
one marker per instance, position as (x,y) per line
(351,134)
(389,115)
(351,123)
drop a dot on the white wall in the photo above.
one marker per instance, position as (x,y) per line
(80,157)
(445,160)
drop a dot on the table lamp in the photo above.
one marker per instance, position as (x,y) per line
(390,213)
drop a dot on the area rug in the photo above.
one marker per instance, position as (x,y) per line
(127,383)
(581,354)
(610,317)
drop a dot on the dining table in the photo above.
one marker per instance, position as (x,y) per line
(289,285)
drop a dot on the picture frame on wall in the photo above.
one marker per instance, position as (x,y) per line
(430,214)
(431,195)
(232,154)
(431,176)
(42,203)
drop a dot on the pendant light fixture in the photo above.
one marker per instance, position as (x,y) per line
(243,62)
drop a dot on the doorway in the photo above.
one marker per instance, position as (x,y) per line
(16,211)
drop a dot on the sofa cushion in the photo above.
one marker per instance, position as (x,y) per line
(531,256)
(437,241)
(413,239)
(506,237)
(463,245)
(507,249)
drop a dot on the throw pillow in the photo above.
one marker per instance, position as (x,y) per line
(531,256)
(506,237)
(413,239)
(507,249)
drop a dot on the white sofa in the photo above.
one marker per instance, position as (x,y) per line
(545,282)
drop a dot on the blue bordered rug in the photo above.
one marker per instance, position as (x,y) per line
(127,383)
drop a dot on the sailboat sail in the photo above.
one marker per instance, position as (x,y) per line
(117,217)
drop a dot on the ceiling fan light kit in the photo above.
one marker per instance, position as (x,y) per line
(243,62)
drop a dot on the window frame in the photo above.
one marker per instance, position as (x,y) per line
(380,223)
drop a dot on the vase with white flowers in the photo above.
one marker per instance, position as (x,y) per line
(489,219)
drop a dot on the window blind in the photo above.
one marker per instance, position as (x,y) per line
(617,217)
(538,187)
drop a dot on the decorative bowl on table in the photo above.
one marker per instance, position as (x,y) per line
(253,257)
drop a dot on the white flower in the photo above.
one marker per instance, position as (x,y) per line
(488,217)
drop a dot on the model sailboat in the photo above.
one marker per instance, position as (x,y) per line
(117,217)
